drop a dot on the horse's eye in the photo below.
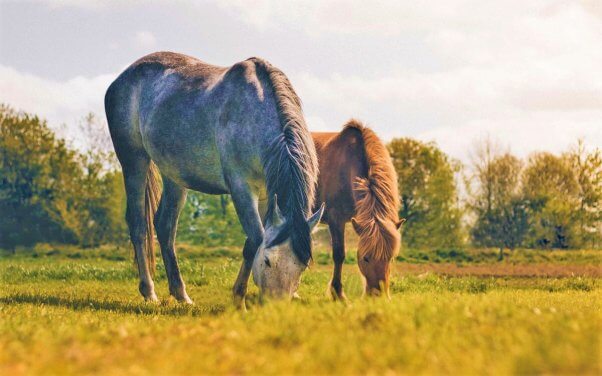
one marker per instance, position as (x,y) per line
(366,259)
(267,262)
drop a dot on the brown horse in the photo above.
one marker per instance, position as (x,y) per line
(358,183)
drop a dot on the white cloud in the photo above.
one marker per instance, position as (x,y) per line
(525,72)
(91,4)
(397,17)
(521,134)
(522,72)
(454,108)
(465,105)
(318,124)
(60,102)
(144,39)
(379,17)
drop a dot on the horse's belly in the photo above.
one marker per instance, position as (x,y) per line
(191,161)
(200,173)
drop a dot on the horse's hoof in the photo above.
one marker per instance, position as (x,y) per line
(182,297)
(152,298)
(147,290)
(342,298)
(337,296)
(185,299)
(239,303)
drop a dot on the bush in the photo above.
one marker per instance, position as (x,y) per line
(51,193)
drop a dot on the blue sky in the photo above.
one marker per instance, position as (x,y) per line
(524,73)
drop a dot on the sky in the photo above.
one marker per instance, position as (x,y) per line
(524,73)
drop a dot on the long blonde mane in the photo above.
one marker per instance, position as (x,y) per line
(376,199)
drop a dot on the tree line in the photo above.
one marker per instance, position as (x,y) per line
(51,191)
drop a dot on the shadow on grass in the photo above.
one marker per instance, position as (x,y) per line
(168,308)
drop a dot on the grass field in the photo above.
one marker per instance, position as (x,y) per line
(70,311)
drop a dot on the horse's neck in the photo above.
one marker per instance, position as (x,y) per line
(338,169)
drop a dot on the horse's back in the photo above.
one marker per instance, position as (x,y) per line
(192,118)
(183,64)
(152,80)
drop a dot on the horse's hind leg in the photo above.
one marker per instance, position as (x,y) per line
(135,176)
(337,235)
(166,223)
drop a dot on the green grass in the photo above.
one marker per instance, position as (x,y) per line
(69,311)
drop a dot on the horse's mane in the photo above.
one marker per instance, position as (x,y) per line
(376,198)
(290,163)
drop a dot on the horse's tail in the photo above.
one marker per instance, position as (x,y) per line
(152,195)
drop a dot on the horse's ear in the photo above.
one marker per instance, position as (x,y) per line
(401,222)
(276,219)
(315,218)
(356,226)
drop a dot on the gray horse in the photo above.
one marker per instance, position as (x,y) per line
(238,131)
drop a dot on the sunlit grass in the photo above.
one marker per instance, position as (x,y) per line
(61,313)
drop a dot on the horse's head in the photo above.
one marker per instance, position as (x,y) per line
(379,243)
(276,268)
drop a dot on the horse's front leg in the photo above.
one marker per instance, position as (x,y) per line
(246,205)
(239,291)
(337,236)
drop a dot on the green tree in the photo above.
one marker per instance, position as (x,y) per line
(551,186)
(501,212)
(101,212)
(51,193)
(587,168)
(33,169)
(428,194)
